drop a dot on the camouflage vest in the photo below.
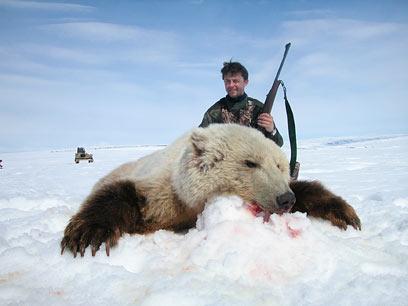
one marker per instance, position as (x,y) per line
(244,117)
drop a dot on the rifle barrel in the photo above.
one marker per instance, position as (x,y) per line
(287,46)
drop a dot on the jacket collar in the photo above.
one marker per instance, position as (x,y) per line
(233,103)
(237,99)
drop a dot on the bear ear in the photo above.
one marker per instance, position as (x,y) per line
(204,155)
(199,141)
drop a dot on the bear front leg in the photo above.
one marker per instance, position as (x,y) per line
(105,215)
(315,200)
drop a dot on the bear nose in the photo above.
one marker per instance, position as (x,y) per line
(286,200)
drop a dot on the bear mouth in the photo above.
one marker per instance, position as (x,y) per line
(256,209)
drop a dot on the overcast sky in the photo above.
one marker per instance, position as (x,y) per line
(143,72)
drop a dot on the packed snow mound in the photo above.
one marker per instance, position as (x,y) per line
(245,247)
(232,257)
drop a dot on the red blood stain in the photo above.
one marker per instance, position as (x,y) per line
(253,208)
(294,233)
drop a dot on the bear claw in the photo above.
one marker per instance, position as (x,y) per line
(344,218)
(107,247)
(78,238)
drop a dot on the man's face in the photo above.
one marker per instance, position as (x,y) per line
(235,84)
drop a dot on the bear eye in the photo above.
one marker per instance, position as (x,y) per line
(251,164)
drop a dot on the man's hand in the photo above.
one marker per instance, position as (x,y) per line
(265,120)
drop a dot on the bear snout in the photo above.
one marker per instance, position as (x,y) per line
(286,201)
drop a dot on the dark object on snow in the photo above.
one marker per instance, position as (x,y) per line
(82,155)
(1,166)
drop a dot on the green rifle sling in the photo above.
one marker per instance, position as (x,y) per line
(291,131)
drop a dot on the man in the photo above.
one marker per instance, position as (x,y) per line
(237,107)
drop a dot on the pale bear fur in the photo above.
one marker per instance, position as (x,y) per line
(209,162)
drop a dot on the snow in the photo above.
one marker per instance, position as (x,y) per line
(231,257)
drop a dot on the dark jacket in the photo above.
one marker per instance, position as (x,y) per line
(243,110)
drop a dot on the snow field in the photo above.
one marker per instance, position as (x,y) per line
(231,257)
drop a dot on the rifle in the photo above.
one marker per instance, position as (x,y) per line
(270,97)
(267,108)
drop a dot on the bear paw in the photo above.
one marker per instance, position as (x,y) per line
(78,236)
(342,215)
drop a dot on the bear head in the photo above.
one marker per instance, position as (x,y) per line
(226,159)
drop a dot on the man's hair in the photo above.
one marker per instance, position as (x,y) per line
(234,68)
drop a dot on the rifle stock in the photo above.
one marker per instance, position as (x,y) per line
(270,97)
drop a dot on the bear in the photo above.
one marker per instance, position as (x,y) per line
(169,188)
